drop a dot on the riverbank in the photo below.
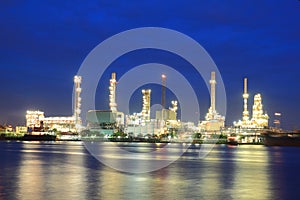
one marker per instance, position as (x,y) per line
(133,140)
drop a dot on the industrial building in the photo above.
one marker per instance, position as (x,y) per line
(140,124)
(248,130)
(101,123)
(146,104)
(112,100)
(213,120)
(36,119)
(106,122)
(259,119)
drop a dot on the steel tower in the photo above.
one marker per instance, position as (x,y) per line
(77,101)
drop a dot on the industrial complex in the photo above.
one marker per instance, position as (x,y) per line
(165,125)
(108,123)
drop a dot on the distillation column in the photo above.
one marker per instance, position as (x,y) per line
(245,97)
(259,119)
(112,93)
(77,101)
(146,104)
(163,95)
(213,120)
(174,108)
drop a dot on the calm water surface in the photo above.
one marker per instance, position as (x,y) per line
(66,170)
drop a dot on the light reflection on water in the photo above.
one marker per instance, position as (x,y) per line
(68,171)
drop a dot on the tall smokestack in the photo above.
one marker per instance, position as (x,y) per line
(163,95)
(113,75)
(245,86)
(213,91)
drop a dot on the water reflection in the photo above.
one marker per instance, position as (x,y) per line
(285,177)
(68,171)
(46,173)
(251,179)
(146,158)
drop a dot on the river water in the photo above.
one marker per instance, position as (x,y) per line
(66,170)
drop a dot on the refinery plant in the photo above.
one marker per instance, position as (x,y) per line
(213,120)
(106,123)
(165,126)
(249,130)
(259,119)
(36,118)
(66,126)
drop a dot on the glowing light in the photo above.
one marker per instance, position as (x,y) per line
(213,120)
(77,100)
(259,119)
(112,91)
(146,104)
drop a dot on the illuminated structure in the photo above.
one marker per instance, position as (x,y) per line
(140,124)
(277,120)
(77,101)
(112,93)
(213,83)
(166,115)
(213,120)
(146,104)
(102,122)
(167,118)
(112,100)
(63,124)
(106,122)
(144,116)
(245,97)
(60,123)
(21,129)
(34,118)
(259,119)
(174,108)
(163,91)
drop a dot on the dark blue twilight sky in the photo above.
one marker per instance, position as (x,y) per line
(43,43)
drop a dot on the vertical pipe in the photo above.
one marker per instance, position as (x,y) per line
(245,97)
(77,100)
(112,95)
(213,91)
(163,96)
(245,86)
